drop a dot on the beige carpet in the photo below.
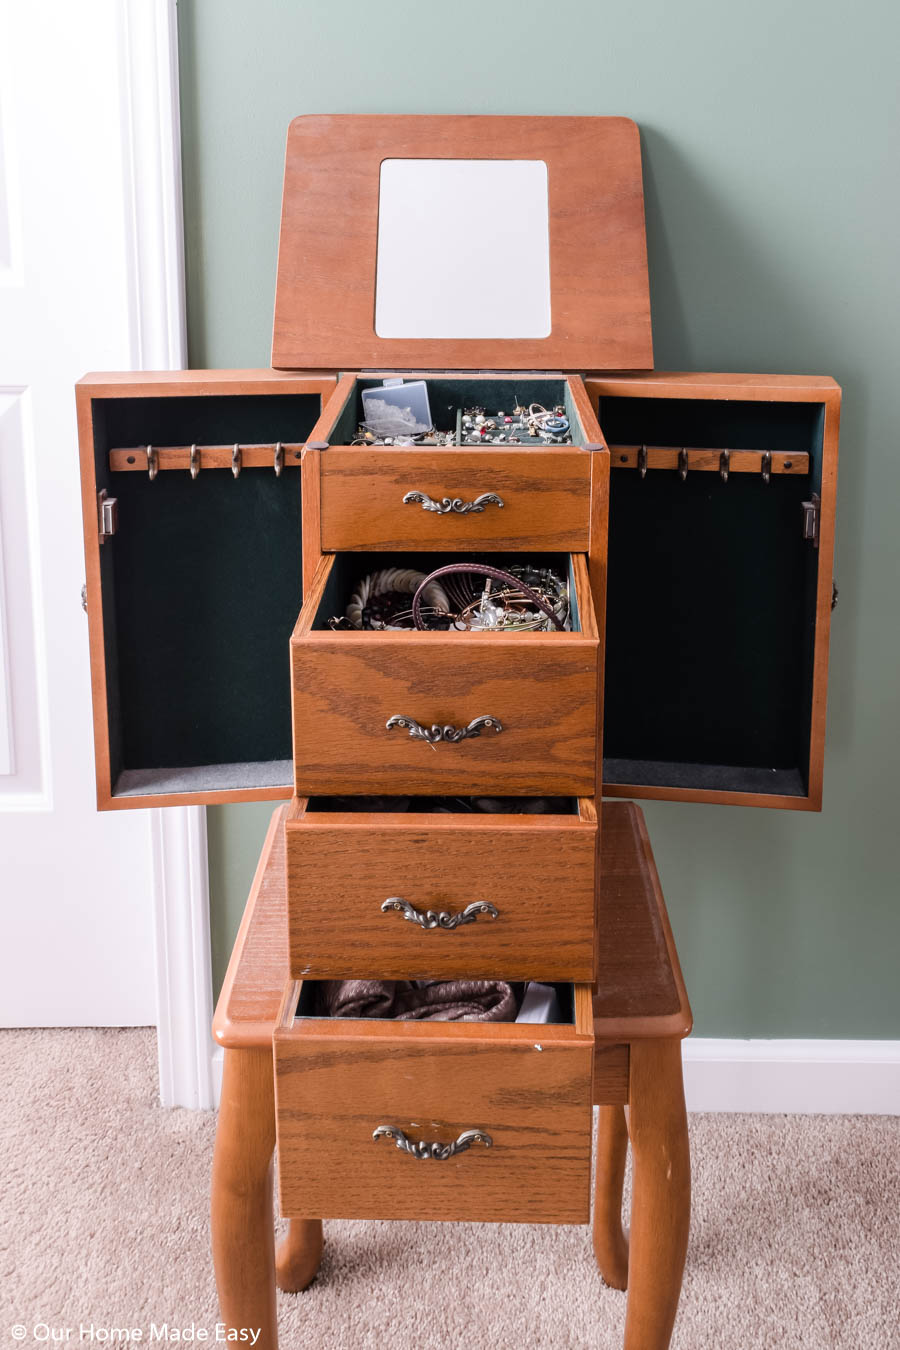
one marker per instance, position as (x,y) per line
(795,1239)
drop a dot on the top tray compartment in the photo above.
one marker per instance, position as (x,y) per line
(534,496)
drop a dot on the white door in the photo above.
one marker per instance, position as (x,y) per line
(79,891)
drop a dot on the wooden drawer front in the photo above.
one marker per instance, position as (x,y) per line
(537,873)
(527,1088)
(540,687)
(545,496)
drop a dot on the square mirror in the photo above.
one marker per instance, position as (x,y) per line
(463,249)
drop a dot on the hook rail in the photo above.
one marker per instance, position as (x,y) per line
(686,459)
(265,455)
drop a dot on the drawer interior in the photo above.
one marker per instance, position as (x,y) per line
(414,806)
(449,393)
(307,1004)
(349,568)
(711,601)
(200,584)
(341,1084)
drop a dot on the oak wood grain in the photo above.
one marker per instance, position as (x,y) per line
(537,871)
(299,1255)
(704,460)
(528,1090)
(824,596)
(598,552)
(609,1241)
(251,993)
(710,384)
(310,514)
(243,1236)
(757,388)
(178,383)
(133,459)
(541,686)
(325,292)
(332,407)
(641,990)
(155,384)
(545,494)
(661,1194)
(610,1074)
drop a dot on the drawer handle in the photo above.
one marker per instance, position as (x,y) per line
(436,733)
(423,1149)
(431,918)
(452,504)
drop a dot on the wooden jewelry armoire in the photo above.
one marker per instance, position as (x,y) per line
(692,517)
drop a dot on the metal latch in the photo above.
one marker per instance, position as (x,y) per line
(107,515)
(811,514)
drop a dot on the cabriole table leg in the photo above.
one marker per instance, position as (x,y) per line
(610,1245)
(299,1256)
(243,1235)
(661,1202)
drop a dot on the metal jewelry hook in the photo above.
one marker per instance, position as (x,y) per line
(236,460)
(767,466)
(195,462)
(279,458)
(724,463)
(152,462)
(683,464)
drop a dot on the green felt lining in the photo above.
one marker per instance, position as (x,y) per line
(447,393)
(201,587)
(711,603)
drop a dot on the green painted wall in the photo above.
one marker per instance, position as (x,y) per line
(770,137)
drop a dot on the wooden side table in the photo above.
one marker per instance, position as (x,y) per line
(641,1003)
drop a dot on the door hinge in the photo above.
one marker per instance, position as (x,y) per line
(107,515)
(84,597)
(812,511)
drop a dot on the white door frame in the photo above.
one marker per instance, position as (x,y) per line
(151,130)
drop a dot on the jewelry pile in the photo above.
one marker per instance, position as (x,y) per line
(531,425)
(474,597)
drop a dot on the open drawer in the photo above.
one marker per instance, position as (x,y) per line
(193,566)
(520,496)
(417,892)
(349,1092)
(719,588)
(538,689)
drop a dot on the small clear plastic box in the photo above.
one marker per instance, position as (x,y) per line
(399,394)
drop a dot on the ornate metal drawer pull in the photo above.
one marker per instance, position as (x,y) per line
(431,918)
(436,733)
(452,504)
(423,1149)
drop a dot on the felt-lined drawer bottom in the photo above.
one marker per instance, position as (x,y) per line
(481,1121)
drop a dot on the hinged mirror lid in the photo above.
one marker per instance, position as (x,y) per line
(464,243)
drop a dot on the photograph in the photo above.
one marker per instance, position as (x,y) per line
(449,698)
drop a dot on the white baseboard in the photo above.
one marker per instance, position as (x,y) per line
(803,1077)
(809,1077)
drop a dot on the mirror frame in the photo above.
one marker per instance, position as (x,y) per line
(327,259)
